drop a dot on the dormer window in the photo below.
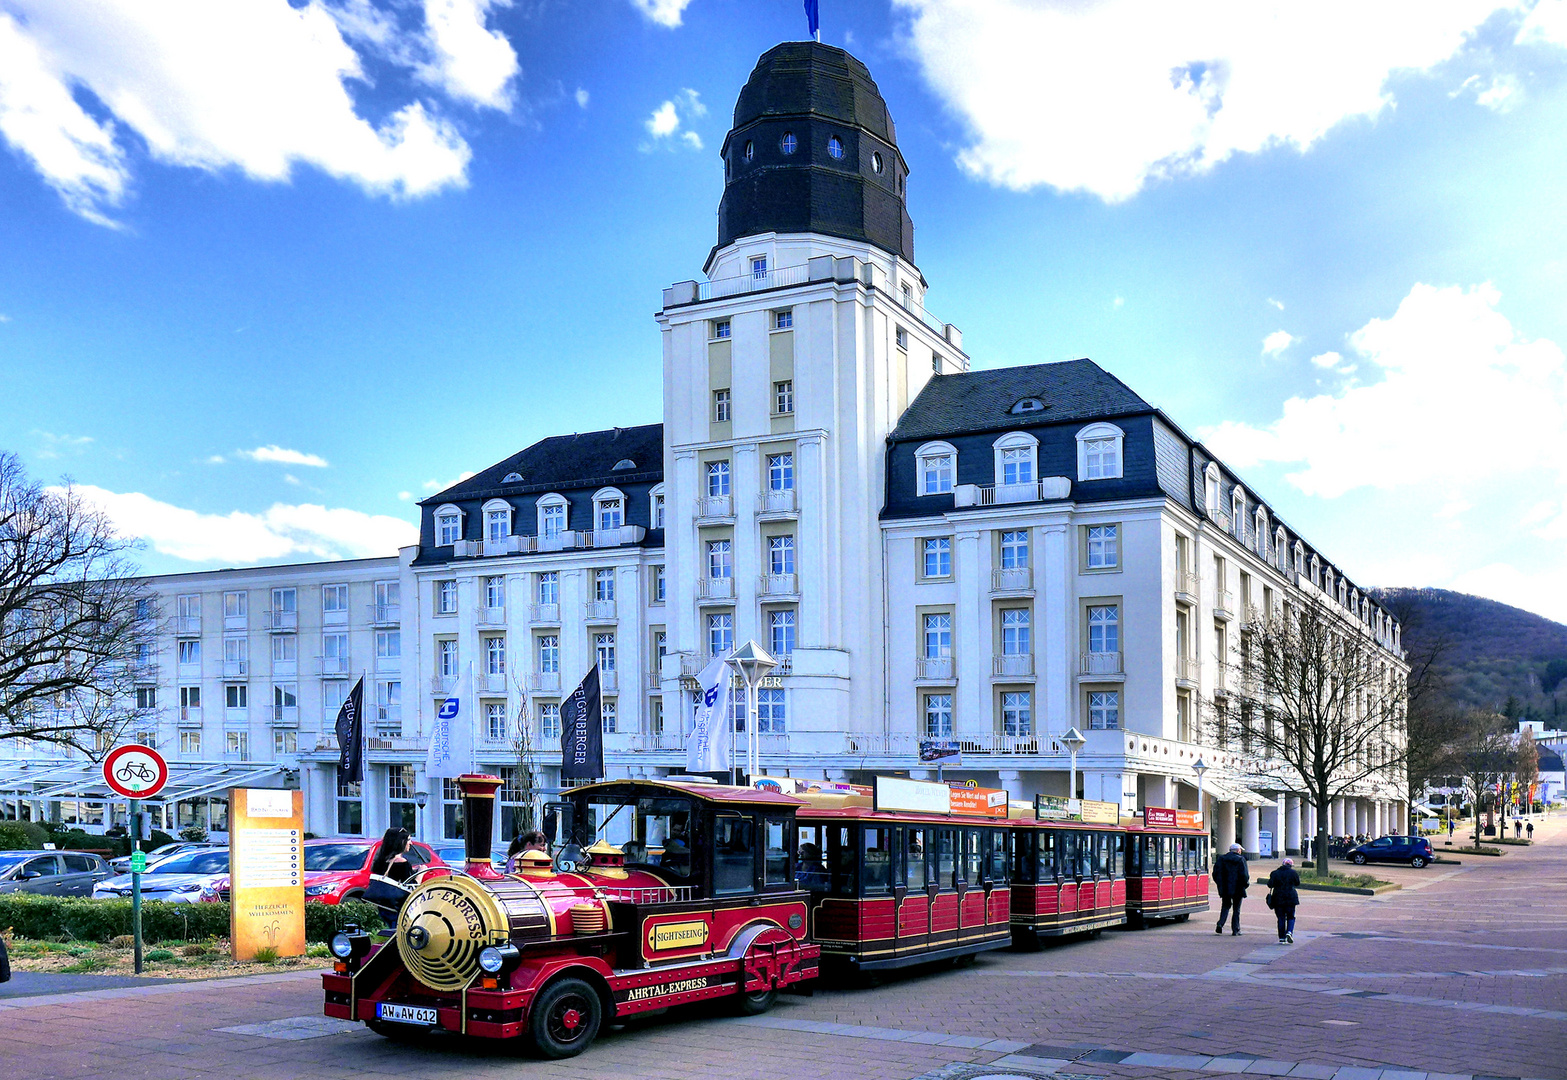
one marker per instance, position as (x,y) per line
(625,464)
(1099,452)
(1260,537)
(657,508)
(1028,405)
(512,478)
(938,465)
(1015,458)
(835,147)
(876,162)
(609,509)
(448,526)
(1211,493)
(788,144)
(552,516)
(1238,511)
(497,520)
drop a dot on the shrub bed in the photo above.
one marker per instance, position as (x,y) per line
(46,917)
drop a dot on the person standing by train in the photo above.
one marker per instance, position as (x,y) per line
(1230,876)
(1284,898)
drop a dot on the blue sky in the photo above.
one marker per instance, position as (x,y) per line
(269,273)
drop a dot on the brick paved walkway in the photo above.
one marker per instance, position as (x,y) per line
(1462,974)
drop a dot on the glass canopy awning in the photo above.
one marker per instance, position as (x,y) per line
(83,780)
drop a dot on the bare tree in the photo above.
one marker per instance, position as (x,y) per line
(70,626)
(526,787)
(1526,767)
(1318,699)
(1433,722)
(1484,754)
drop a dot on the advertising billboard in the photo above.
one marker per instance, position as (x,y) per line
(266,871)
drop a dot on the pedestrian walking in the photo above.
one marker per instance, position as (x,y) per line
(1450,826)
(1230,876)
(1517,829)
(1530,827)
(1284,898)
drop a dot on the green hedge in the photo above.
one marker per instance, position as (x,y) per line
(22,836)
(29,836)
(101,920)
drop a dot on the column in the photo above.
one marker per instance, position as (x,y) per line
(1056,643)
(1251,825)
(1336,818)
(1225,812)
(1376,818)
(972,643)
(1160,790)
(1292,825)
(1011,779)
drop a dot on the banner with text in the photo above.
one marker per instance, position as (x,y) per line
(266,871)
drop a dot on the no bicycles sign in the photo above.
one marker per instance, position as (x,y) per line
(134,771)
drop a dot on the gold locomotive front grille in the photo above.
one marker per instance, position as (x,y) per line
(442,927)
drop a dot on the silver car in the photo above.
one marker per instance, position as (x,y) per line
(122,865)
(51,873)
(183,879)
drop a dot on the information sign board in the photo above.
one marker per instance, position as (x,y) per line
(1159,817)
(267,871)
(918,796)
(1054,808)
(978,801)
(1095,812)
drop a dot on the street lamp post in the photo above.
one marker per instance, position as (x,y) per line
(1199,767)
(420,798)
(753,663)
(1073,741)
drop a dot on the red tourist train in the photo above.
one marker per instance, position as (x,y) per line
(667,893)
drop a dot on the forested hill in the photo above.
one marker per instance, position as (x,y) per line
(1491,652)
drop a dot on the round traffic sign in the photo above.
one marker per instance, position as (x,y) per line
(135,771)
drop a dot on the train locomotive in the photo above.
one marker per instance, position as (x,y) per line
(697,902)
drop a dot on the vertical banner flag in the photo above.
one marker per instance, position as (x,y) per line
(351,735)
(582,731)
(707,750)
(451,739)
(813,19)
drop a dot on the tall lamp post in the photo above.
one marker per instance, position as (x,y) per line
(753,663)
(1073,741)
(1199,767)
(420,799)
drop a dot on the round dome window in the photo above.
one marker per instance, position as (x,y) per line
(788,143)
(835,147)
(876,162)
(750,152)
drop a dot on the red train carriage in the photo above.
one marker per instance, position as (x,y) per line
(894,888)
(1166,869)
(1067,878)
(700,903)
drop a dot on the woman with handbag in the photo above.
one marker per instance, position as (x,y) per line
(1283,898)
(388,872)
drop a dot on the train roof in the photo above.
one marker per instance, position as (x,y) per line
(715,793)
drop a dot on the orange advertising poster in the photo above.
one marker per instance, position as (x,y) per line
(266,871)
(980,802)
(1188,819)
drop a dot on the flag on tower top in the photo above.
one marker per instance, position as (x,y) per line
(813,19)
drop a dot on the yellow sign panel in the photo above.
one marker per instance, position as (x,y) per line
(676,935)
(266,871)
(1105,813)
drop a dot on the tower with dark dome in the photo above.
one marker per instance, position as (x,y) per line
(813,150)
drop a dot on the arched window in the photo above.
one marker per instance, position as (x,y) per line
(1342,590)
(448,525)
(1260,540)
(497,520)
(1099,452)
(1016,459)
(1211,493)
(936,466)
(1281,550)
(552,515)
(1300,559)
(609,509)
(512,478)
(1316,571)
(1238,511)
(656,506)
(1027,405)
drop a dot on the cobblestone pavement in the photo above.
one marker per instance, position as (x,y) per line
(1461,974)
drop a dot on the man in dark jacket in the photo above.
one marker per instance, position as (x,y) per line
(1230,875)
(1282,883)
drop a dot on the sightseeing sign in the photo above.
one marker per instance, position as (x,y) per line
(135,771)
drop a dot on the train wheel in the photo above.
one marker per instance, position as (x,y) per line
(756,1004)
(565,1018)
(1184,916)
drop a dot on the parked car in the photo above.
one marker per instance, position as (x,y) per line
(183,879)
(452,853)
(338,868)
(1414,850)
(51,873)
(122,865)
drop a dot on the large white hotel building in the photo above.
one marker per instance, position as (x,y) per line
(994,556)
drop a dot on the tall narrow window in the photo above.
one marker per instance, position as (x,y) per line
(1015,632)
(938,556)
(717,478)
(1104,547)
(609,715)
(780,554)
(446,658)
(611,514)
(1017,465)
(553,519)
(603,585)
(549,587)
(721,406)
(604,651)
(495,720)
(495,656)
(497,525)
(936,471)
(938,715)
(938,635)
(1017,713)
(780,627)
(780,472)
(495,593)
(720,559)
(770,718)
(658,584)
(1104,710)
(1014,549)
(1104,629)
(759,266)
(783,397)
(448,529)
(549,654)
(720,634)
(549,720)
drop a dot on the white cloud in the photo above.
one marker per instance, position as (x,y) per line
(279,455)
(1501,94)
(1105,97)
(1327,360)
(52,446)
(582,98)
(1546,24)
(666,120)
(254,86)
(5,318)
(1276,303)
(1277,342)
(405,496)
(282,531)
(436,485)
(1447,360)
(663,12)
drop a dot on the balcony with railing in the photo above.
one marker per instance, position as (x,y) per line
(1188,670)
(387,714)
(1186,586)
(190,716)
(544,682)
(285,716)
(280,621)
(1045,489)
(778,586)
(1224,603)
(236,669)
(653,679)
(486,682)
(1012,666)
(187,625)
(545,613)
(490,617)
(611,538)
(234,622)
(711,509)
(442,684)
(1219,517)
(333,665)
(1101,665)
(599,611)
(770,504)
(1012,579)
(609,681)
(934,669)
(385,614)
(711,589)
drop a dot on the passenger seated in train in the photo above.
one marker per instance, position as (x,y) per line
(811,871)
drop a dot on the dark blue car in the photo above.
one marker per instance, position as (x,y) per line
(1414,850)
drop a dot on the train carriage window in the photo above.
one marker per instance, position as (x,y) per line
(734,854)
(1118,855)
(946,858)
(1171,864)
(1102,855)
(841,858)
(777,869)
(1085,855)
(876,874)
(1024,856)
(971,856)
(997,870)
(1049,867)
(914,859)
(810,867)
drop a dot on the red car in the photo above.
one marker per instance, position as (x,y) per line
(338,868)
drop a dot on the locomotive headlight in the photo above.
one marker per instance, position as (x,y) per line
(494,959)
(349,944)
(342,946)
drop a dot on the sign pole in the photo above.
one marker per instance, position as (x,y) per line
(136,772)
(138,863)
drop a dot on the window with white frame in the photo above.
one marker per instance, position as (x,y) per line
(388,644)
(721,328)
(549,654)
(1099,452)
(1211,493)
(938,635)
(1015,624)
(285,648)
(549,587)
(1104,547)
(1238,511)
(189,650)
(446,597)
(1104,710)
(495,655)
(1014,549)
(285,601)
(720,633)
(938,716)
(780,554)
(937,556)
(285,696)
(901,339)
(448,525)
(552,516)
(235,605)
(146,697)
(446,658)
(717,478)
(389,702)
(656,511)
(239,745)
(495,593)
(604,585)
(759,266)
(334,650)
(721,406)
(236,696)
(770,718)
(604,651)
(497,520)
(495,720)
(1104,628)
(780,472)
(783,320)
(190,742)
(333,693)
(937,463)
(658,587)
(236,655)
(549,720)
(285,741)
(611,509)
(1015,455)
(1300,559)
(720,559)
(1017,713)
(1260,539)
(609,714)
(783,397)
(780,632)
(1281,550)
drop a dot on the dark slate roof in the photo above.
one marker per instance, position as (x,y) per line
(982,400)
(798,78)
(561,462)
